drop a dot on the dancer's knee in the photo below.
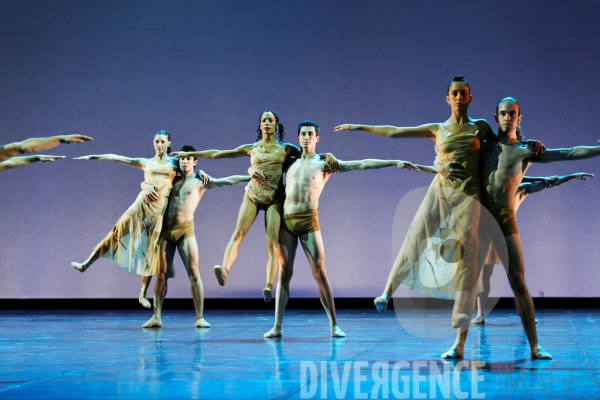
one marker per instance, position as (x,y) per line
(194,277)
(238,234)
(272,246)
(285,275)
(517,284)
(319,273)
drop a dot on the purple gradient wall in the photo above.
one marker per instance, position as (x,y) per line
(119,71)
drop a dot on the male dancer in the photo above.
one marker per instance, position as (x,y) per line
(305,181)
(33,145)
(178,232)
(502,167)
(533,185)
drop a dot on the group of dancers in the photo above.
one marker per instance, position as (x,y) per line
(474,166)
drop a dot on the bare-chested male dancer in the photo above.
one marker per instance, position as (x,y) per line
(178,232)
(502,167)
(533,185)
(306,179)
(9,151)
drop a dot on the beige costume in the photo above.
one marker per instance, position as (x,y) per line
(440,251)
(133,244)
(271,165)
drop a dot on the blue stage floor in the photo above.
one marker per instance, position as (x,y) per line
(105,354)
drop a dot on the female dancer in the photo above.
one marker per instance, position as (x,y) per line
(133,244)
(447,201)
(264,192)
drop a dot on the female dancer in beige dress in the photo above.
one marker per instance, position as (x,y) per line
(133,244)
(447,204)
(265,191)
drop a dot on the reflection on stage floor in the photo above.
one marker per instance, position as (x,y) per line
(106,354)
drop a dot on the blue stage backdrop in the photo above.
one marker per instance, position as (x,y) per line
(204,70)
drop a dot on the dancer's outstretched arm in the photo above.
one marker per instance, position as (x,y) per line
(239,151)
(347,166)
(38,144)
(228,181)
(552,181)
(568,154)
(426,168)
(139,163)
(17,162)
(394,132)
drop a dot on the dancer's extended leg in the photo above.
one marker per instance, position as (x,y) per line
(312,243)
(246,217)
(458,348)
(464,303)
(121,228)
(167,252)
(145,285)
(288,244)
(516,278)
(398,273)
(272,226)
(486,275)
(188,250)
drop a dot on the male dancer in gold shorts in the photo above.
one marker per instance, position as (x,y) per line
(9,151)
(503,166)
(178,233)
(530,185)
(305,181)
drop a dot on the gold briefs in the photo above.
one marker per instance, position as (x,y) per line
(301,223)
(175,233)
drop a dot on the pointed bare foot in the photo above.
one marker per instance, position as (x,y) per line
(460,321)
(266,292)
(153,322)
(79,267)
(540,354)
(454,353)
(478,320)
(201,323)
(220,274)
(337,332)
(144,302)
(274,332)
(381,303)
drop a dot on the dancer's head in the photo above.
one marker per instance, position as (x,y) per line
(459,93)
(162,142)
(268,124)
(187,164)
(308,135)
(508,116)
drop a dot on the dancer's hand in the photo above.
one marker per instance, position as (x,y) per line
(83,158)
(407,165)
(332,163)
(180,154)
(75,139)
(151,195)
(349,127)
(452,170)
(43,158)
(583,176)
(257,174)
(203,176)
